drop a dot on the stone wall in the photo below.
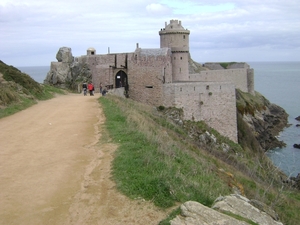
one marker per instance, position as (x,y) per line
(212,102)
(243,79)
(105,67)
(148,70)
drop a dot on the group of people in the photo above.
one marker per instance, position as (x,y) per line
(90,87)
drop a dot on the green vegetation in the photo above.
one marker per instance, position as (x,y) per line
(248,103)
(19,91)
(226,64)
(163,162)
(149,164)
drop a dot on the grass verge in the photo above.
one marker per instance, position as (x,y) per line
(151,165)
(156,160)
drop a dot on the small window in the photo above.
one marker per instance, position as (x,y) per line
(181,58)
(180,89)
(149,86)
(183,36)
(207,87)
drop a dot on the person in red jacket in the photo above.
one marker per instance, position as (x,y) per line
(91,88)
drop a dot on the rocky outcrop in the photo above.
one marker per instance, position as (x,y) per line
(268,124)
(265,120)
(297,118)
(225,211)
(67,73)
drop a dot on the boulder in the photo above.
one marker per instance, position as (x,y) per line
(297,118)
(64,55)
(240,205)
(194,213)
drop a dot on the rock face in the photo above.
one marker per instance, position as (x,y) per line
(66,73)
(268,124)
(194,213)
(265,120)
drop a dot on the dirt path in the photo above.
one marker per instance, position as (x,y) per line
(54,171)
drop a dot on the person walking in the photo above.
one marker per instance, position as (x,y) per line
(84,88)
(100,86)
(91,88)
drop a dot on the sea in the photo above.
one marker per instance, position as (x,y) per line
(279,82)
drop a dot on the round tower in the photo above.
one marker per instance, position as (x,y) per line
(174,36)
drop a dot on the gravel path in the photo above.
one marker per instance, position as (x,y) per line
(54,171)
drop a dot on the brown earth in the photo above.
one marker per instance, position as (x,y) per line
(53,169)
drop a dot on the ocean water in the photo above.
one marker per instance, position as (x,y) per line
(279,82)
(38,73)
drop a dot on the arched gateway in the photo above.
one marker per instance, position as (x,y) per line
(121,80)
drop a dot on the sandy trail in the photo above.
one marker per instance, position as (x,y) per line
(54,171)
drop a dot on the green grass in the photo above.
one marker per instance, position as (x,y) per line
(149,164)
(157,160)
(21,102)
(226,64)
(19,91)
(16,107)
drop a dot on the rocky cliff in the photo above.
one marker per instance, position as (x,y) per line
(264,121)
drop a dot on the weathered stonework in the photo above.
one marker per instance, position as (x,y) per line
(161,77)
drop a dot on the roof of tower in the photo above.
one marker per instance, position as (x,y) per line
(91,49)
(174,26)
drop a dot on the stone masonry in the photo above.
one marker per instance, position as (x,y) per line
(160,77)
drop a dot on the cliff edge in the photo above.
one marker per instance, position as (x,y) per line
(259,121)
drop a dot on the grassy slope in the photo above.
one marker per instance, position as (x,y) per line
(159,161)
(19,91)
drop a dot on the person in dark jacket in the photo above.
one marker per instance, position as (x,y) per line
(84,88)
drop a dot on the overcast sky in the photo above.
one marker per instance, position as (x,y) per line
(32,31)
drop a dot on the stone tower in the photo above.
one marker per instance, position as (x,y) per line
(174,36)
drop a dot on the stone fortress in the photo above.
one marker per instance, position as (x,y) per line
(167,76)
